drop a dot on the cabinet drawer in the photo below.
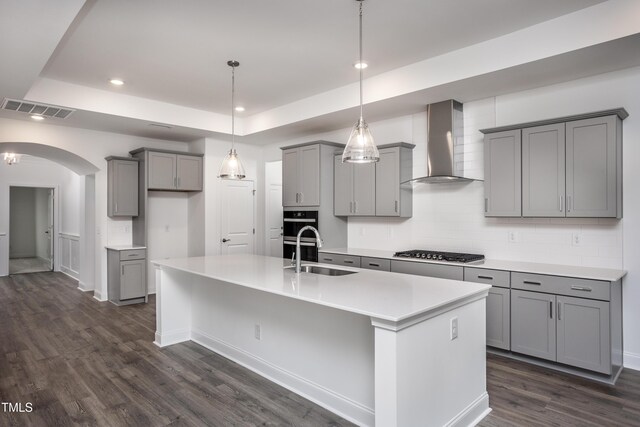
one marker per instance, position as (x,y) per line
(581,288)
(497,278)
(348,260)
(133,254)
(427,269)
(375,264)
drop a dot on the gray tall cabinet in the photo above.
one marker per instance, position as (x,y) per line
(565,167)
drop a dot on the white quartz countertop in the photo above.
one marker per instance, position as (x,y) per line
(382,295)
(125,247)
(606,274)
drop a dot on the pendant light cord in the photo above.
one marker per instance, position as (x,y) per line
(361,64)
(233,111)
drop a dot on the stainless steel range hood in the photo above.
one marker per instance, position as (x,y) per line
(445,144)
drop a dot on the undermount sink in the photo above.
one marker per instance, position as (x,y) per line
(325,271)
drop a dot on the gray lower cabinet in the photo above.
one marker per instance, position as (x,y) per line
(543,171)
(339,259)
(568,330)
(122,187)
(498,304)
(354,188)
(502,174)
(533,324)
(126,271)
(583,328)
(171,171)
(428,269)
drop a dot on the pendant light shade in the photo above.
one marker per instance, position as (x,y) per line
(361,147)
(231,167)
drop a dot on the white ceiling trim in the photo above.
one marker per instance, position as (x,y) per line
(598,24)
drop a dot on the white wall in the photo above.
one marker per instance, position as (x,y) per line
(450,216)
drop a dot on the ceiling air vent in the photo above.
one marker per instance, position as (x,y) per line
(34,108)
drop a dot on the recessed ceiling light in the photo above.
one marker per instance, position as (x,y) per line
(37,117)
(361,65)
(116,82)
(239,109)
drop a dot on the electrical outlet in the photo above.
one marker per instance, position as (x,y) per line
(576,239)
(127,228)
(454,328)
(257,332)
(513,236)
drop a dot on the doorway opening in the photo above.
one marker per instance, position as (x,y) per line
(31,229)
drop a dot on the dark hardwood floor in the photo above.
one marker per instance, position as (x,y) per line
(79,361)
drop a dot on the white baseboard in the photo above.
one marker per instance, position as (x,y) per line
(174,337)
(98,295)
(83,287)
(472,414)
(73,274)
(343,406)
(631,361)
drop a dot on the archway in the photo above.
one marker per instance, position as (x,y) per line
(87,226)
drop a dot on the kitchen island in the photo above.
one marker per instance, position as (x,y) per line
(377,348)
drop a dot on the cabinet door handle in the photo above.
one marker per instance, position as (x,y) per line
(396,207)
(301,197)
(178,181)
(486,205)
(551,309)
(348,261)
(485,277)
(527,282)
(581,288)
(116,207)
(350,207)
(355,207)
(569,204)
(122,267)
(559,315)
(296,197)
(561,203)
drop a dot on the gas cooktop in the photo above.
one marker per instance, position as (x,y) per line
(439,256)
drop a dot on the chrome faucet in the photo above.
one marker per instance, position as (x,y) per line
(318,243)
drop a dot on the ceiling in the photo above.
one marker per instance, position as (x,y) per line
(296,72)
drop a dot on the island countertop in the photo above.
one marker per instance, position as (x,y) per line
(382,295)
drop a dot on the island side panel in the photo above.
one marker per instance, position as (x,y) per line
(321,353)
(173,306)
(423,378)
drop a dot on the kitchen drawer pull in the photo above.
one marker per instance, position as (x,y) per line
(130,255)
(373,264)
(348,261)
(581,288)
(527,282)
(327,259)
(485,277)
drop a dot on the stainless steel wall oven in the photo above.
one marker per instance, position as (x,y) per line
(293,222)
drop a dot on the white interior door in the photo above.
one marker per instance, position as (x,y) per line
(274,220)
(237,229)
(50,230)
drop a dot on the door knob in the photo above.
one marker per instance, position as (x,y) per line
(226,240)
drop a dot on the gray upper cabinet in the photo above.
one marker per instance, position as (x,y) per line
(502,174)
(594,167)
(571,167)
(354,188)
(189,173)
(301,176)
(175,172)
(584,333)
(162,171)
(122,191)
(395,167)
(533,325)
(543,171)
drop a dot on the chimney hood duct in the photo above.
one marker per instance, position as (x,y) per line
(445,144)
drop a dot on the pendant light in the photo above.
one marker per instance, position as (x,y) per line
(360,148)
(231,167)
